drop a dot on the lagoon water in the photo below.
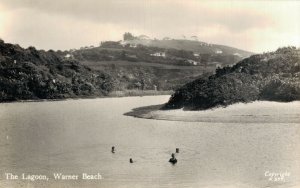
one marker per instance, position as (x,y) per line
(76,136)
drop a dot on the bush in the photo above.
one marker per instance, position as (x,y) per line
(271,76)
(278,90)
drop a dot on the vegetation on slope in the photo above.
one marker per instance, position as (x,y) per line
(114,51)
(148,76)
(271,76)
(32,74)
(136,65)
(135,68)
(113,66)
(193,45)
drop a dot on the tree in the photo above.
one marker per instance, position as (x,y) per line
(128,36)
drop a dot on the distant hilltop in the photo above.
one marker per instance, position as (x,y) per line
(142,48)
(273,76)
(128,36)
(139,62)
(185,43)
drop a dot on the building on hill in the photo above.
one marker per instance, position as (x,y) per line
(237,54)
(195,38)
(143,37)
(122,43)
(192,62)
(218,51)
(69,56)
(218,65)
(196,54)
(159,54)
(132,45)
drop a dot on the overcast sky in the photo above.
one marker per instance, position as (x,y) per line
(255,26)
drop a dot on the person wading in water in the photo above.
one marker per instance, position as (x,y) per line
(173,160)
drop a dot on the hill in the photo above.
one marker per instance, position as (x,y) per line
(113,66)
(138,68)
(144,64)
(191,45)
(271,76)
(37,74)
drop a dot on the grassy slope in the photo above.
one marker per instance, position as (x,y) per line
(195,46)
(132,66)
(127,74)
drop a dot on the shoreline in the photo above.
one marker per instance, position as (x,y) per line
(114,94)
(254,112)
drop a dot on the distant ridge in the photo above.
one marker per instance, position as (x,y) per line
(164,64)
(192,44)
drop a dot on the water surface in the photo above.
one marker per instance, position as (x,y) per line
(76,136)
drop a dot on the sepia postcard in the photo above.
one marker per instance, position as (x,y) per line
(149,94)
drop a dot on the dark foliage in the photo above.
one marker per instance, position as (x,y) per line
(271,76)
(33,74)
(128,36)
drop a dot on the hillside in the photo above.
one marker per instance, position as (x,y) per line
(113,66)
(271,76)
(141,63)
(37,74)
(188,44)
(184,54)
(136,68)
(191,45)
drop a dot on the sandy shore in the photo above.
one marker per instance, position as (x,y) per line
(114,94)
(258,111)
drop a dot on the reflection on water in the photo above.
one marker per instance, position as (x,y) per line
(76,137)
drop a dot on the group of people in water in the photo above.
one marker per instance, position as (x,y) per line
(172,160)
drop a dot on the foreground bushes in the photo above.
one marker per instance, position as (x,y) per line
(270,76)
(32,74)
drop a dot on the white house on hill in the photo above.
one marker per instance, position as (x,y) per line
(196,54)
(159,54)
(237,54)
(133,45)
(218,51)
(69,56)
(192,62)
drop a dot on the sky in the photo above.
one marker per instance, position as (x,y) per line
(257,25)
